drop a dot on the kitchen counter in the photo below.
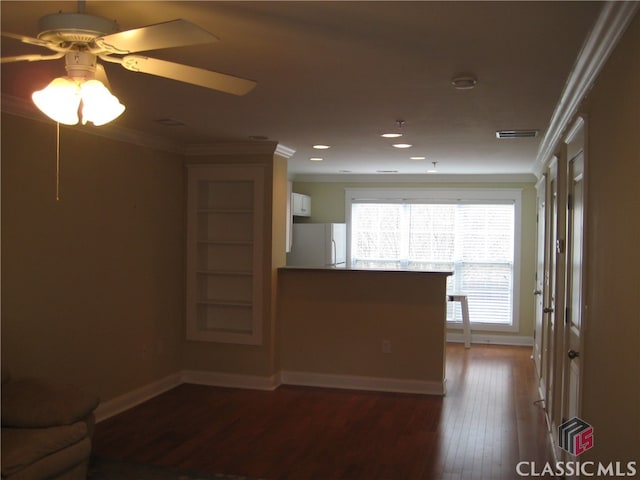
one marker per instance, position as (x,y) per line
(350,269)
(370,329)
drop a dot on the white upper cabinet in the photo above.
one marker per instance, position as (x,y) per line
(301,205)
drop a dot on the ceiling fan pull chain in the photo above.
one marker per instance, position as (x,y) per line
(57,161)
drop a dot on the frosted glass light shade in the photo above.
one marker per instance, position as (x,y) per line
(59,100)
(99,106)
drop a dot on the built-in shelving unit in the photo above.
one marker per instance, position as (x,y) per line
(224,253)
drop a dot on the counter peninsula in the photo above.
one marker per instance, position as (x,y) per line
(363,329)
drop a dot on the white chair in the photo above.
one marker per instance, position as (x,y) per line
(466,326)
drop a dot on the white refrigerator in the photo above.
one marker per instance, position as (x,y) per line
(318,245)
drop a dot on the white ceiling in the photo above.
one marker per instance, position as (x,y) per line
(341,73)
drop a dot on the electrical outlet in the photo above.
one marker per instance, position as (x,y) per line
(386,346)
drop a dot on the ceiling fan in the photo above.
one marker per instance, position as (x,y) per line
(82,39)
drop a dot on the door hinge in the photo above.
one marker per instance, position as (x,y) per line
(559,246)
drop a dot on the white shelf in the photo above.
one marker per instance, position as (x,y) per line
(224,253)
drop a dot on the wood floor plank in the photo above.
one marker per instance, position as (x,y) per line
(485,424)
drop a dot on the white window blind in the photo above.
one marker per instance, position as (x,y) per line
(474,239)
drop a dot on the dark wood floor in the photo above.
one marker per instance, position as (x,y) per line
(485,424)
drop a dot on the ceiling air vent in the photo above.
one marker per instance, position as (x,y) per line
(516,133)
(170,122)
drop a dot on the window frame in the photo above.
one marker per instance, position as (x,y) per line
(451,195)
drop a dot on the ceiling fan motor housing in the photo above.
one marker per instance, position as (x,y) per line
(75,28)
(80,65)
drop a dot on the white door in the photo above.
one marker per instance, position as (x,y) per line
(575,238)
(541,276)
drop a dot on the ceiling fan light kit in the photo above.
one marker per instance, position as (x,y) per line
(64,97)
(80,90)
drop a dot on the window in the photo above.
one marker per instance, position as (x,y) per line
(470,232)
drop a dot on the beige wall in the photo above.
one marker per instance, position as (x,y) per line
(333,322)
(328,205)
(611,353)
(92,285)
(278,252)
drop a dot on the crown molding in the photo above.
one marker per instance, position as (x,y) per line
(238,148)
(414,178)
(229,148)
(23,108)
(284,151)
(604,36)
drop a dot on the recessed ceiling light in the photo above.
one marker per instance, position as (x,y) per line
(402,145)
(321,147)
(464,82)
(399,123)
(316,159)
(417,158)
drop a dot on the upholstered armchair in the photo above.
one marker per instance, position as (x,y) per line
(46,430)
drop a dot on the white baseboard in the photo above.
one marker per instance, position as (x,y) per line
(217,379)
(362,383)
(233,380)
(479,338)
(135,397)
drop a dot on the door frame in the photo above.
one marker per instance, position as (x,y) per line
(541,290)
(556,299)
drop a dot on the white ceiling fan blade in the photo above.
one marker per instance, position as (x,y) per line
(175,33)
(30,40)
(184,73)
(31,58)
